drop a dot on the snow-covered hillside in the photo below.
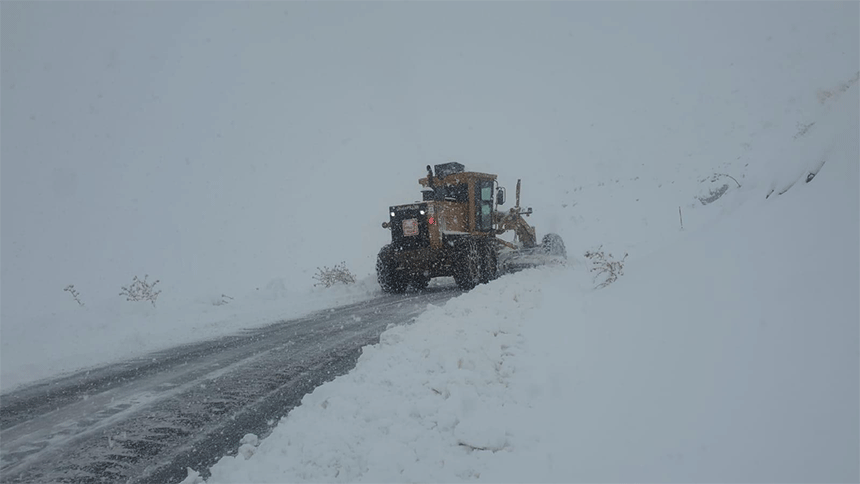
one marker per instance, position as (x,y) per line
(728,355)
(219,147)
(230,149)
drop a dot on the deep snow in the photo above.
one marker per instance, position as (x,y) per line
(729,355)
(233,148)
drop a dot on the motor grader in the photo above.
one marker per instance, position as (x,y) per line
(454,231)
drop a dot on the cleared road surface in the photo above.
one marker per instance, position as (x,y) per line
(148,419)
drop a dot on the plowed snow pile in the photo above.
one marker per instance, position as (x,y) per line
(729,354)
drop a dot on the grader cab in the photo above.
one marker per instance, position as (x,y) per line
(453,231)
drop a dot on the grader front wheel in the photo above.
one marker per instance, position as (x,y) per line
(552,244)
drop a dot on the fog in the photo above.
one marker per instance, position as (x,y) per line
(219,146)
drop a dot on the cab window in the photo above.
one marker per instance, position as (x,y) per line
(484,209)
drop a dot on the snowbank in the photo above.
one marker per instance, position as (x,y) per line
(51,344)
(728,355)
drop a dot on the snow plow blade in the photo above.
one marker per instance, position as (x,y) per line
(516,260)
(550,252)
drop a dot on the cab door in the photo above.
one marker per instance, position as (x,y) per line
(484,205)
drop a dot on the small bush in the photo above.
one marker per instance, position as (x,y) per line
(825,94)
(75,294)
(604,267)
(802,129)
(713,195)
(220,301)
(715,189)
(140,290)
(337,274)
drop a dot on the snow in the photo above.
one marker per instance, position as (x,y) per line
(111,330)
(231,149)
(740,364)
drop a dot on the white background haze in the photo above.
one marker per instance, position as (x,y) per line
(232,148)
(216,146)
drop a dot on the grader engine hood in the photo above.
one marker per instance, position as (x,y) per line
(409,226)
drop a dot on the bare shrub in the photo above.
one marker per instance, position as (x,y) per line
(718,175)
(75,294)
(220,301)
(141,290)
(715,190)
(825,94)
(802,129)
(338,274)
(713,195)
(605,267)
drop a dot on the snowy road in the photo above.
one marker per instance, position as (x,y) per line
(147,419)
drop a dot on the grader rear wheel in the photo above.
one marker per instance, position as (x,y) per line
(467,275)
(489,265)
(390,280)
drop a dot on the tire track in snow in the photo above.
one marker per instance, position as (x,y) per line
(147,419)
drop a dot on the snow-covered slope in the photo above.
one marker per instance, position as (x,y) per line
(229,149)
(59,343)
(727,355)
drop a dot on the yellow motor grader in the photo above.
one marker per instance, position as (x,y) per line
(454,231)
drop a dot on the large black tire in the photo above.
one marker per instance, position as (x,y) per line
(467,273)
(553,245)
(489,262)
(386,274)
